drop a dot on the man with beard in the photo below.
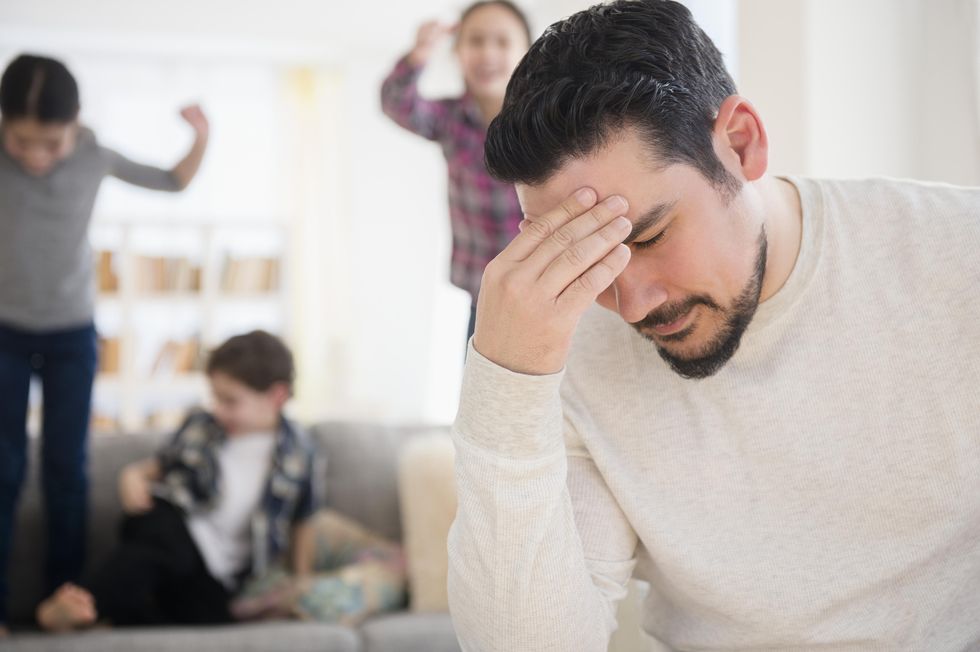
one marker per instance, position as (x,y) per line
(773,416)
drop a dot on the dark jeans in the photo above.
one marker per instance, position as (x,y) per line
(156,575)
(65,361)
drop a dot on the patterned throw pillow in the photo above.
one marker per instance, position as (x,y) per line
(356,574)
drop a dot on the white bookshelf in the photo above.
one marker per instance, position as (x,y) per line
(141,395)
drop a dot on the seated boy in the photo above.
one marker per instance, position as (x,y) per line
(224,500)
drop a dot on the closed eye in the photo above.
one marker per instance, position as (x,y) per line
(645,244)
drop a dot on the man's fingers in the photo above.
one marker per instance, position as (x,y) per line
(568,241)
(575,260)
(534,232)
(581,292)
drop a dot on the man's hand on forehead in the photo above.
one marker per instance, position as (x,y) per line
(535,291)
(582,199)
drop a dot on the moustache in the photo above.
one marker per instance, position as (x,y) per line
(669,313)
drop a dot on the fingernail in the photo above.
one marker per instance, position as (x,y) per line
(586,196)
(615,203)
(520,225)
(622,223)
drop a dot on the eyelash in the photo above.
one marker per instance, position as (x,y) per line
(651,242)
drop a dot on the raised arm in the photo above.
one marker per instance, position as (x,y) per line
(540,551)
(178,177)
(185,171)
(400,99)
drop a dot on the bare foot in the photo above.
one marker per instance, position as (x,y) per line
(69,607)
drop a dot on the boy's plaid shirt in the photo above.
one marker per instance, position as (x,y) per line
(190,480)
(484,213)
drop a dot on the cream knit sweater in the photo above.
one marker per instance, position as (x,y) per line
(820,492)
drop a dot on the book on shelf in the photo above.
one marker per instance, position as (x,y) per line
(178,357)
(163,274)
(250,275)
(109,355)
(107,281)
(104,423)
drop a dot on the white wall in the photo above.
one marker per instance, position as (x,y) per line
(378,329)
(852,88)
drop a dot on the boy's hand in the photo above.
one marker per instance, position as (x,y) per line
(134,492)
(429,35)
(536,290)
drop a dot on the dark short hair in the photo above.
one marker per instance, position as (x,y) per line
(40,88)
(506,4)
(642,64)
(257,359)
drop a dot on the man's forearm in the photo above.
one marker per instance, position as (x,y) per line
(518,577)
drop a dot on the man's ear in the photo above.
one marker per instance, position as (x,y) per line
(740,139)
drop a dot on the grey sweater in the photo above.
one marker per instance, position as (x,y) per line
(46,279)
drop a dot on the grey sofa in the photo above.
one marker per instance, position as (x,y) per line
(360,480)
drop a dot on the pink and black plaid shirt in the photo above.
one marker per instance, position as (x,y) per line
(484,213)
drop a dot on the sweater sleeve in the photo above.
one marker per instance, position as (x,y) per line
(400,101)
(540,552)
(138,174)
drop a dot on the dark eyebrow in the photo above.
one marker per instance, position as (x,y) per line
(649,220)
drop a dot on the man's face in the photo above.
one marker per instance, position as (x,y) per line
(698,256)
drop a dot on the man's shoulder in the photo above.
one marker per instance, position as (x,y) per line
(902,198)
(911,220)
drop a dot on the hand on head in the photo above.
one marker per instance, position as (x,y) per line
(534,293)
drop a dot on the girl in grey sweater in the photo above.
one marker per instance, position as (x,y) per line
(51,168)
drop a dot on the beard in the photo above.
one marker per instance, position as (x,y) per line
(713,355)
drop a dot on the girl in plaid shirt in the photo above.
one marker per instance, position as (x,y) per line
(491,37)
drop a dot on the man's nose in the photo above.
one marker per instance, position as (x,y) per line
(638,292)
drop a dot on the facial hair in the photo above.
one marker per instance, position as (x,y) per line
(713,355)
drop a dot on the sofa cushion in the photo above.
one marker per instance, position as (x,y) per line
(410,633)
(427,489)
(360,481)
(108,454)
(361,473)
(265,637)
